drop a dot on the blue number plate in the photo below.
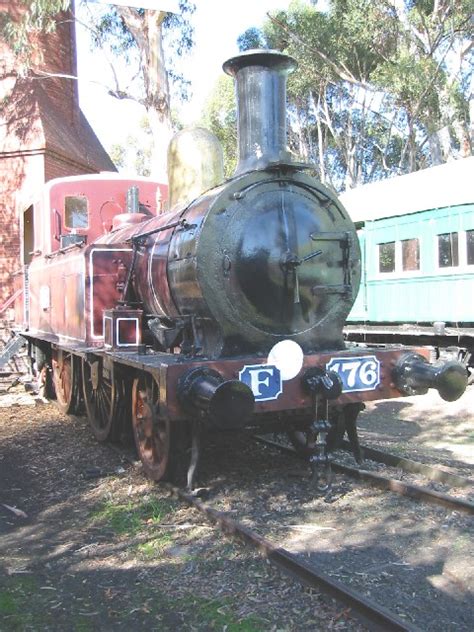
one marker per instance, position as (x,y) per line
(357,373)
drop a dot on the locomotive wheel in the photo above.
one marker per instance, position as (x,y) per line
(101,398)
(152,433)
(65,369)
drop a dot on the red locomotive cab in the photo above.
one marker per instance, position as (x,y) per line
(70,281)
(82,208)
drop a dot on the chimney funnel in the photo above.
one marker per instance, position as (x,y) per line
(260,79)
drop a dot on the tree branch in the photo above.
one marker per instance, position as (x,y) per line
(340,70)
(114,92)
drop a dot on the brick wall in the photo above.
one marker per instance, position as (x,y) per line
(55,167)
(12,174)
(59,57)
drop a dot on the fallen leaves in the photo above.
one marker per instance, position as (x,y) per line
(18,512)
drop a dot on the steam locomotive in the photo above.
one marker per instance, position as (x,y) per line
(225,312)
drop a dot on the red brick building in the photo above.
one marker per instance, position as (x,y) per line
(43,134)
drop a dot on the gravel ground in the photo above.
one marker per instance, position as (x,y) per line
(424,428)
(78,552)
(414,558)
(105,553)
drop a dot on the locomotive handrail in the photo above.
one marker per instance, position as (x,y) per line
(331,236)
(62,251)
(136,239)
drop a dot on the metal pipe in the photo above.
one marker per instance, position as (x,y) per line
(260,78)
(133,203)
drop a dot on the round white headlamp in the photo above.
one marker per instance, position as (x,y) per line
(288,357)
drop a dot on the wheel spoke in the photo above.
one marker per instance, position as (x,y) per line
(65,380)
(152,433)
(103,402)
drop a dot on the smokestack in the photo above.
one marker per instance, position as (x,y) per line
(260,78)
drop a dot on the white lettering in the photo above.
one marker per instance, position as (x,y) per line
(357,374)
(352,367)
(259,377)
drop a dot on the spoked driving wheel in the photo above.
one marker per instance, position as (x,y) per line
(66,376)
(101,398)
(152,433)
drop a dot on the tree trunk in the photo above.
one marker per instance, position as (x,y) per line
(157,93)
(146,29)
(161,133)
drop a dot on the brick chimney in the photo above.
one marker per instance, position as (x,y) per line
(43,133)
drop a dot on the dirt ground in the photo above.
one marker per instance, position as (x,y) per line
(425,428)
(414,558)
(86,543)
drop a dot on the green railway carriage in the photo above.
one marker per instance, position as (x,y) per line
(416,234)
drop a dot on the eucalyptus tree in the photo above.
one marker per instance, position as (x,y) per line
(148,41)
(220,116)
(382,87)
(429,76)
(334,108)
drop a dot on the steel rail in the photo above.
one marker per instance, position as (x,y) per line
(376,617)
(399,487)
(414,467)
(407,489)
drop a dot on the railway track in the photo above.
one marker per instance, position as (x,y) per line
(436,474)
(400,487)
(309,573)
(366,610)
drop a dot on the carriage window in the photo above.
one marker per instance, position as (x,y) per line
(410,254)
(448,252)
(470,247)
(76,211)
(387,257)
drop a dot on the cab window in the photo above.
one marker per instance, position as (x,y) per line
(76,212)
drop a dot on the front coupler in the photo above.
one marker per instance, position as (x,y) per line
(323,385)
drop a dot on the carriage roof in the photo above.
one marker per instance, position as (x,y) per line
(450,184)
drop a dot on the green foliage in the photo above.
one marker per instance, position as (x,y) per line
(178,28)
(135,155)
(218,616)
(252,38)
(24,605)
(154,546)
(118,155)
(113,31)
(40,17)
(377,83)
(220,117)
(16,595)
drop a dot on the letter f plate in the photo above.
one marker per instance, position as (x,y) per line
(263,379)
